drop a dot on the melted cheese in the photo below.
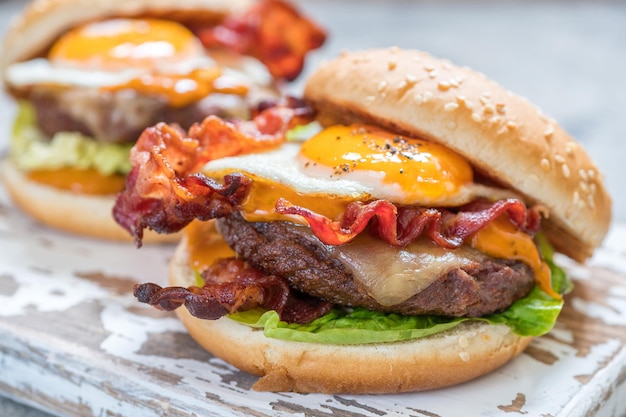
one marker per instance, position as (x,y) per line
(88,181)
(501,239)
(205,245)
(392,275)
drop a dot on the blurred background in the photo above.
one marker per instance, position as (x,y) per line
(569,58)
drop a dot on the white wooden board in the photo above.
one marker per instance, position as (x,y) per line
(73,341)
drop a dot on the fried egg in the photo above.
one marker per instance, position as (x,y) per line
(343,164)
(151,56)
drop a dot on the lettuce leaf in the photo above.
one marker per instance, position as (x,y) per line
(533,315)
(31,150)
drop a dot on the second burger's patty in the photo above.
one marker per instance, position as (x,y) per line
(121,116)
(294,253)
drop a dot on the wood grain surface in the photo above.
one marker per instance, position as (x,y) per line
(74,342)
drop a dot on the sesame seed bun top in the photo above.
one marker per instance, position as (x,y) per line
(33,31)
(502,135)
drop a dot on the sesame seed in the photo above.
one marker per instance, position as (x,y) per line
(591,201)
(489,109)
(583,186)
(382,85)
(484,100)
(451,106)
(592,174)
(570,147)
(370,99)
(511,125)
(444,85)
(463,342)
(465,357)
(423,97)
(566,171)
(454,82)
(394,49)
(549,131)
(477,117)
(592,188)
(583,174)
(429,68)
(402,85)
(500,108)
(411,79)
(576,197)
(392,65)
(432,74)
(545,165)
(486,94)
(558,158)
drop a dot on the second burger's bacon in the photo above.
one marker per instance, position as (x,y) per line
(401,226)
(272,31)
(164,190)
(230,286)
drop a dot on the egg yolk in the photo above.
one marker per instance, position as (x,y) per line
(120,44)
(422,170)
(157,49)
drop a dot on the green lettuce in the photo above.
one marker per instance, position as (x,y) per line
(30,149)
(533,315)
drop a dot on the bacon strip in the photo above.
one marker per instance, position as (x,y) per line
(401,226)
(164,190)
(231,285)
(272,31)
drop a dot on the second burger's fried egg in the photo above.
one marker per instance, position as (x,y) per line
(342,164)
(150,56)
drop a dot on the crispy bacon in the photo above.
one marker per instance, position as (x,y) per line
(231,285)
(400,226)
(272,31)
(164,190)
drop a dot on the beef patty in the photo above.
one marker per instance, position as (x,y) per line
(310,266)
(121,116)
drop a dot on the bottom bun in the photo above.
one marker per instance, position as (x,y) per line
(81,214)
(448,358)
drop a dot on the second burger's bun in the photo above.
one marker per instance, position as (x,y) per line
(458,355)
(82,214)
(502,135)
(43,21)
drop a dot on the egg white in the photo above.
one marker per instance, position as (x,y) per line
(40,71)
(285,167)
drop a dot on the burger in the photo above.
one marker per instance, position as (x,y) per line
(90,77)
(405,244)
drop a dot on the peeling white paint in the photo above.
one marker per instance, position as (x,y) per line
(117,377)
